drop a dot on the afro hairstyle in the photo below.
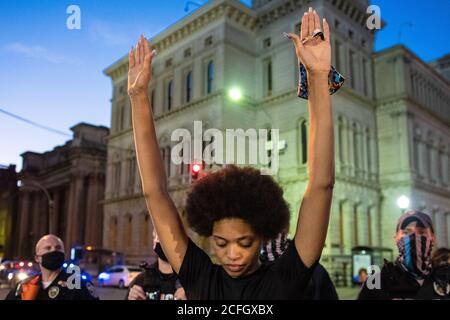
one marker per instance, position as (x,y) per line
(235,192)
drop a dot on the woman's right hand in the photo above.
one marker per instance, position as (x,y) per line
(136,293)
(140,68)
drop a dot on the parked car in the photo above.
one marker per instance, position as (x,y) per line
(119,276)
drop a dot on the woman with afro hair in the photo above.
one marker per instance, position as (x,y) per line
(238,208)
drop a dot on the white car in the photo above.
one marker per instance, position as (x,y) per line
(119,276)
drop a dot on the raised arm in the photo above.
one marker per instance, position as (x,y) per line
(162,210)
(314,212)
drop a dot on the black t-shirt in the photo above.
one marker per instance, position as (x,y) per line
(284,279)
(154,283)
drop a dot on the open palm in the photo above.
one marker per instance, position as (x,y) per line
(315,54)
(140,68)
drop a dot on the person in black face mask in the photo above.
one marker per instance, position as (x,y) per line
(158,281)
(53,283)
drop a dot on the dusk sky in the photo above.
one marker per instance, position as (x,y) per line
(54,76)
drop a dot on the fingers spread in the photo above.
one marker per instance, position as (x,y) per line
(316,21)
(136,54)
(296,40)
(310,22)
(326,30)
(131,58)
(304,26)
(142,49)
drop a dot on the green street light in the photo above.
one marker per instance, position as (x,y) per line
(235,94)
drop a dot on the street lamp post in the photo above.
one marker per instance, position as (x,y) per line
(49,200)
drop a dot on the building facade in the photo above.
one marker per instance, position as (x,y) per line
(226,45)
(61,192)
(8,206)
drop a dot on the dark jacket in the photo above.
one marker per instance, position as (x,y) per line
(395,283)
(59,289)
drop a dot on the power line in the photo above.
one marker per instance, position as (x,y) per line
(40,126)
(12,115)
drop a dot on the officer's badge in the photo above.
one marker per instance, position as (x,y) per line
(91,289)
(53,292)
(441,290)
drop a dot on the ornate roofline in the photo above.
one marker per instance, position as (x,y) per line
(229,9)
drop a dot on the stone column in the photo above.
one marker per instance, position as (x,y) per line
(438,223)
(351,155)
(338,161)
(347,216)
(422,158)
(72,227)
(447,216)
(345,149)
(23,223)
(365,153)
(363,221)
(94,213)
(53,215)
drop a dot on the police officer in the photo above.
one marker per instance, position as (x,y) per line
(158,281)
(53,283)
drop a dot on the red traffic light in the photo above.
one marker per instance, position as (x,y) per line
(196,168)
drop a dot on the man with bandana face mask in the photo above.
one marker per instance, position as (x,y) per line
(53,283)
(158,281)
(413,268)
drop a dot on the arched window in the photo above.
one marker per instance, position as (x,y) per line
(341,140)
(169,96)
(153,100)
(117,173)
(269,152)
(369,153)
(303,128)
(128,230)
(188,87)
(131,173)
(269,78)
(145,230)
(121,118)
(355,146)
(210,77)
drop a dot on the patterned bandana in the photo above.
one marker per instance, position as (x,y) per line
(335,82)
(415,249)
(274,248)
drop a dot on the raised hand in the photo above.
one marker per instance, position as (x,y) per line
(140,68)
(313,52)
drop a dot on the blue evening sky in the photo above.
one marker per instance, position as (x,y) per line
(53,75)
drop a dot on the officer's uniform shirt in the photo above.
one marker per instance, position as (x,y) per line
(59,289)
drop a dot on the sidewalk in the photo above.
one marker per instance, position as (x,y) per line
(345,293)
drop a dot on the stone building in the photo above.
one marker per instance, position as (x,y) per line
(61,192)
